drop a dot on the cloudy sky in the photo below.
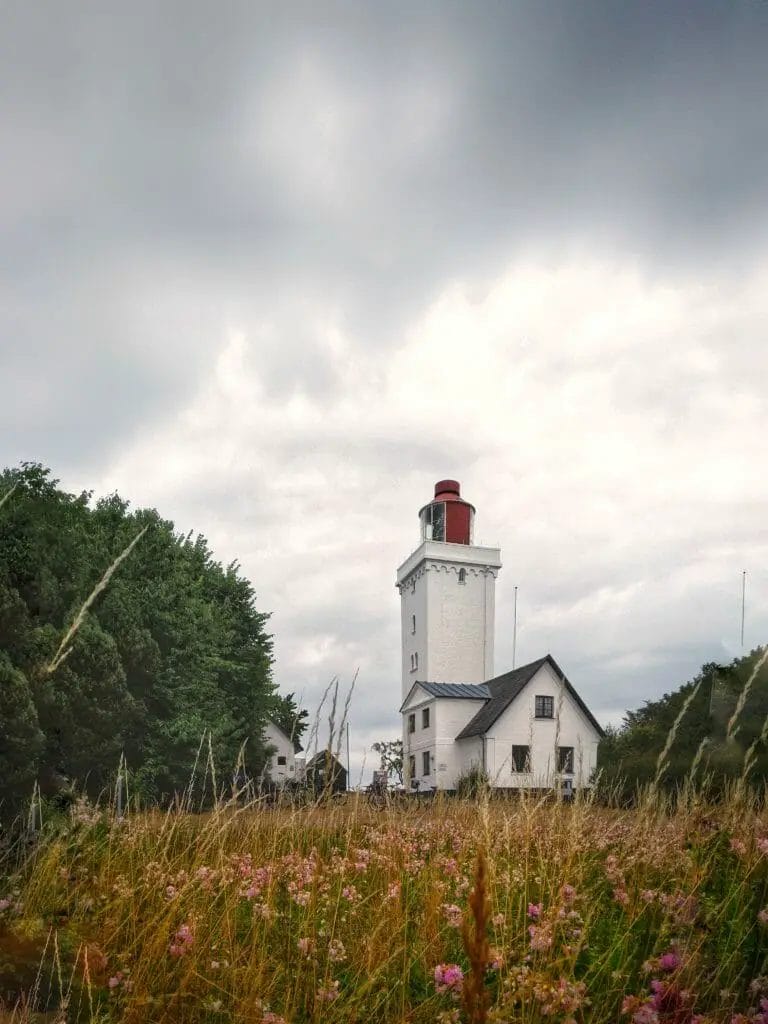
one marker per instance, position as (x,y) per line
(276,268)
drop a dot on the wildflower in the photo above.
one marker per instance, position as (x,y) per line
(762,845)
(534,911)
(498,920)
(762,916)
(4,904)
(448,978)
(541,937)
(738,846)
(272,1018)
(304,946)
(328,994)
(336,951)
(568,893)
(452,914)
(393,892)
(621,896)
(648,895)
(350,893)
(182,942)
(669,961)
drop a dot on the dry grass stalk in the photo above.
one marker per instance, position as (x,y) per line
(64,650)
(8,494)
(661,763)
(731,731)
(476,946)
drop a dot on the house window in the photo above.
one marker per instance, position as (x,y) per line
(412,766)
(545,707)
(521,758)
(412,723)
(416,660)
(425,718)
(462,575)
(413,624)
(565,760)
(281,759)
(425,763)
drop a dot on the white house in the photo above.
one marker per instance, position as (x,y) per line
(282,765)
(527,728)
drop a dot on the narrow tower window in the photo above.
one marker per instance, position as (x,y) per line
(413,623)
(462,575)
(416,660)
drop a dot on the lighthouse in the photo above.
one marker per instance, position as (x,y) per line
(447,596)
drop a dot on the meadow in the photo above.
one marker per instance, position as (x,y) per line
(500,911)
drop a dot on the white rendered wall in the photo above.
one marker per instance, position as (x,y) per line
(454,622)
(519,726)
(448,759)
(275,737)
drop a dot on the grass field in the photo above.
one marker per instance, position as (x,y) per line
(522,911)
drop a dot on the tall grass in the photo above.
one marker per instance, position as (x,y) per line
(494,911)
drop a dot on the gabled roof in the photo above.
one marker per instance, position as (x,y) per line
(322,757)
(461,691)
(291,739)
(503,690)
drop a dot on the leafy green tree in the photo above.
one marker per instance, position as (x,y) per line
(290,718)
(391,758)
(725,718)
(173,649)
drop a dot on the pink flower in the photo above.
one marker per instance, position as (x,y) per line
(541,937)
(738,846)
(448,978)
(452,914)
(304,946)
(182,941)
(328,994)
(393,892)
(534,911)
(762,916)
(4,904)
(762,845)
(568,893)
(669,961)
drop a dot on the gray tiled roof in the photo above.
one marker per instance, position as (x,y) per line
(504,689)
(478,691)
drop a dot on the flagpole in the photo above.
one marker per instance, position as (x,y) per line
(743,602)
(514,631)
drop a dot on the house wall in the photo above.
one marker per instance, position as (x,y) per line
(448,759)
(275,737)
(518,725)
(454,635)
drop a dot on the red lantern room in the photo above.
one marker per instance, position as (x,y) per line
(448,517)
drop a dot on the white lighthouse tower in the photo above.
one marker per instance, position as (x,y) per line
(447,596)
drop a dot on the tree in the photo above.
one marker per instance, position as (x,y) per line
(724,719)
(173,649)
(391,758)
(290,718)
